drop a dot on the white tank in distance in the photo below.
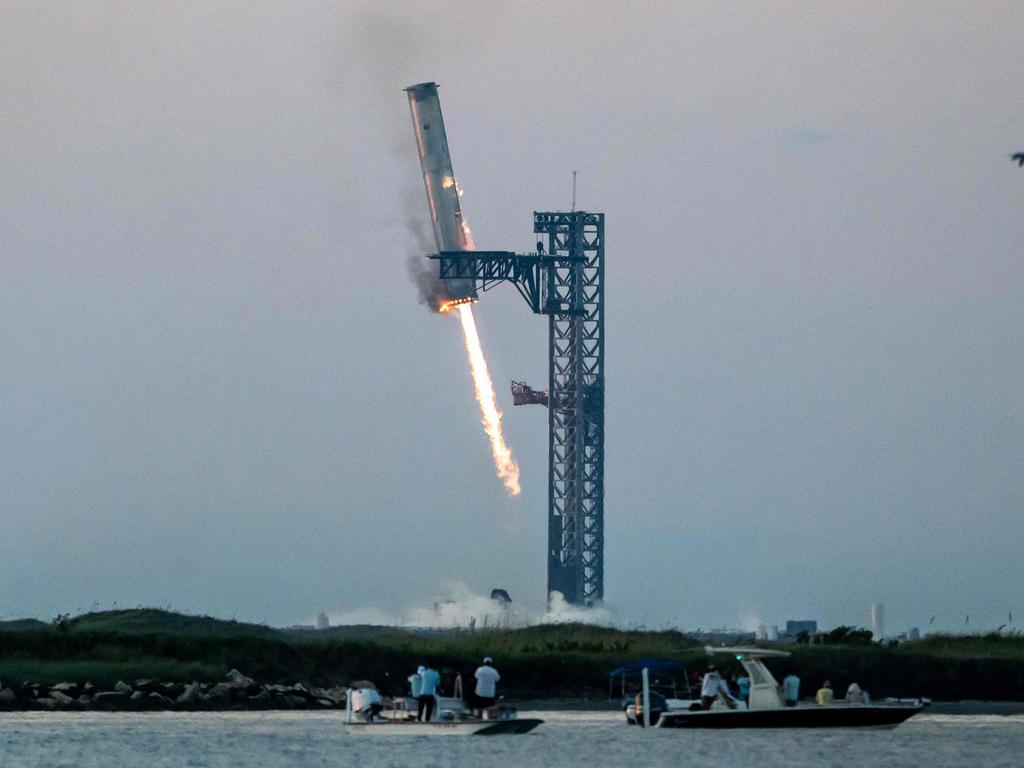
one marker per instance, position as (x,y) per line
(877,627)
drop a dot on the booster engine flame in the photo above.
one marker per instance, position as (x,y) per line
(506,466)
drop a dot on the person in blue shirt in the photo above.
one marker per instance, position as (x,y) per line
(791,689)
(429,682)
(743,684)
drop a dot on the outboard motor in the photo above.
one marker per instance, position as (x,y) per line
(658,705)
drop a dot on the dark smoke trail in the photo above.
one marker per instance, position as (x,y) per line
(423,271)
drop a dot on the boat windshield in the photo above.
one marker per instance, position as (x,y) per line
(759,675)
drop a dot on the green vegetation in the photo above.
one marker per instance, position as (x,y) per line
(542,661)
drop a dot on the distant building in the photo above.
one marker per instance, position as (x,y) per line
(762,632)
(795,627)
(914,634)
(773,633)
(877,629)
(322,622)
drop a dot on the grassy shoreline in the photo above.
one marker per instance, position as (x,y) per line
(542,662)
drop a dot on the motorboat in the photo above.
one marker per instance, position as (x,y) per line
(766,708)
(365,714)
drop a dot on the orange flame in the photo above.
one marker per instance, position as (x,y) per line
(447,305)
(506,466)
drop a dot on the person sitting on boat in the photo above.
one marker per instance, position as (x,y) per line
(366,700)
(713,687)
(791,689)
(485,694)
(825,696)
(856,695)
(429,682)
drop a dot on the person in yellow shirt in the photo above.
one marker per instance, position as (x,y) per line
(825,695)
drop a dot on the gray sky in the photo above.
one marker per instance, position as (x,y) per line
(218,391)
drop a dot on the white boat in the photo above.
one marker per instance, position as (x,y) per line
(451,718)
(443,728)
(766,708)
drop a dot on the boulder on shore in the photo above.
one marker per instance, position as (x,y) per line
(147,686)
(190,695)
(239,680)
(69,689)
(62,699)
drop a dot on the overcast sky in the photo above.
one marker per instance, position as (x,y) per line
(219,393)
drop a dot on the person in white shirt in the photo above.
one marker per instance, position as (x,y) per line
(486,693)
(366,702)
(856,695)
(713,687)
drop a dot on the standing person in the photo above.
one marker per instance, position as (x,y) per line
(825,696)
(710,687)
(486,692)
(791,689)
(429,681)
(416,681)
(743,685)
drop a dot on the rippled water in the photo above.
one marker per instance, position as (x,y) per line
(567,738)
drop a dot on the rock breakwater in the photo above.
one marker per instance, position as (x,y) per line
(236,692)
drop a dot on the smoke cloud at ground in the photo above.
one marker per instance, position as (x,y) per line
(463,608)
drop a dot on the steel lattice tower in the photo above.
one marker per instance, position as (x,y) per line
(563,280)
(574,303)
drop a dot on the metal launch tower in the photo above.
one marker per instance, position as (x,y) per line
(574,303)
(564,280)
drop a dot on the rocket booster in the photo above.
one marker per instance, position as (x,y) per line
(439,180)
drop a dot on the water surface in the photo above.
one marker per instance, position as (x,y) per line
(309,739)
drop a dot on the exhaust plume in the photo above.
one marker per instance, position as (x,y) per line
(506,466)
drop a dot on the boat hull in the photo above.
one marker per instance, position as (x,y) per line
(443,728)
(792,717)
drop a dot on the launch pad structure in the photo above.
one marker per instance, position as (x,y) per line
(563,279)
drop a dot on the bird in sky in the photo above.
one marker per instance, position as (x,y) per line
(1018,159)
